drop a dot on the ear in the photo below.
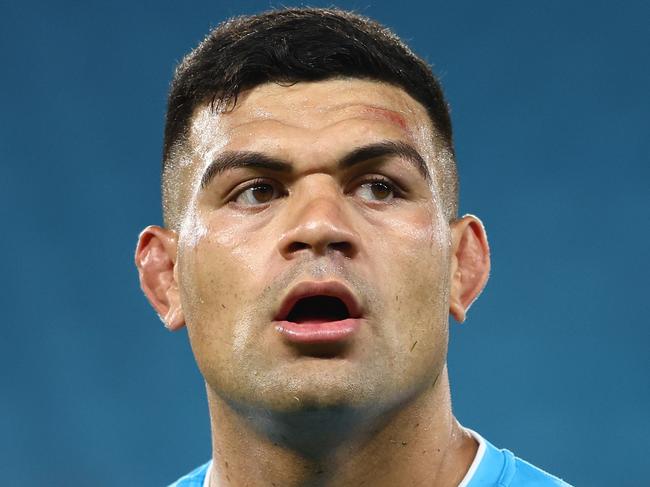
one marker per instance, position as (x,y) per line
(470,266)
(155,258)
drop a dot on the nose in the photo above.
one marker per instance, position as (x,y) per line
(318,223)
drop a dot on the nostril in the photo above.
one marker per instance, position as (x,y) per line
(343,247)
(296,246)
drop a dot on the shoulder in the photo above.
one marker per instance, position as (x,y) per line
(193,479)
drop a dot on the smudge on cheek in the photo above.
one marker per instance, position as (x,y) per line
(207,139)
(243,334)
(439,160)
(440,232)
(193,252)
(192,230)
(189,160)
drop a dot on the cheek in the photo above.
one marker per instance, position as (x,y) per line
(418,240)
(412,270)
(221,266)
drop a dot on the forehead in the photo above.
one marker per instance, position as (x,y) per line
(274,112)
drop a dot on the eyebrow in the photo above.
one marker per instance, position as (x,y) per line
(243,159)
(383,149)
(256,160)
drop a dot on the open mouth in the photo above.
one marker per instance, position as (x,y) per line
(319,319)
(318,309)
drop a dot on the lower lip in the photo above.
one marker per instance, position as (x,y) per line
(318,332)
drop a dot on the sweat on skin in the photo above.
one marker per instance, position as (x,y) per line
(378,411)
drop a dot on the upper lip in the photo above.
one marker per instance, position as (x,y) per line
(335,289)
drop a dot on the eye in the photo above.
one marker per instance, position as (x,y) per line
(376,190)
(257,193)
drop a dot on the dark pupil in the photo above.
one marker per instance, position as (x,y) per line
(263,192)
(380,190)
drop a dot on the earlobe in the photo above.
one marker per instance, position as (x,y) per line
(155,258)
(470,267)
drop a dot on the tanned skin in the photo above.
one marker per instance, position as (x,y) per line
(270,203)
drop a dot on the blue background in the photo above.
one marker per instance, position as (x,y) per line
(550,102)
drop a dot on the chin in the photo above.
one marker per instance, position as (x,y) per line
(319,388)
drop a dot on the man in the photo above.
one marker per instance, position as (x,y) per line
(313,250)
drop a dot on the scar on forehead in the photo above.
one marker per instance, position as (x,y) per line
(389,115)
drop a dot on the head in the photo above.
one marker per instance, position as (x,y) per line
(309,183)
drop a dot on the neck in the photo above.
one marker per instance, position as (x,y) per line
(416,443)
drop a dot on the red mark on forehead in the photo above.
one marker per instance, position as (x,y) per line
(389,115)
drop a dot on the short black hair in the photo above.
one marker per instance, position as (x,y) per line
(301,44)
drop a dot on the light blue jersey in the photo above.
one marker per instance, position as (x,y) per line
(492,467)
(196,478)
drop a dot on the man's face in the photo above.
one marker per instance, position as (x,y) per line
(281,209)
